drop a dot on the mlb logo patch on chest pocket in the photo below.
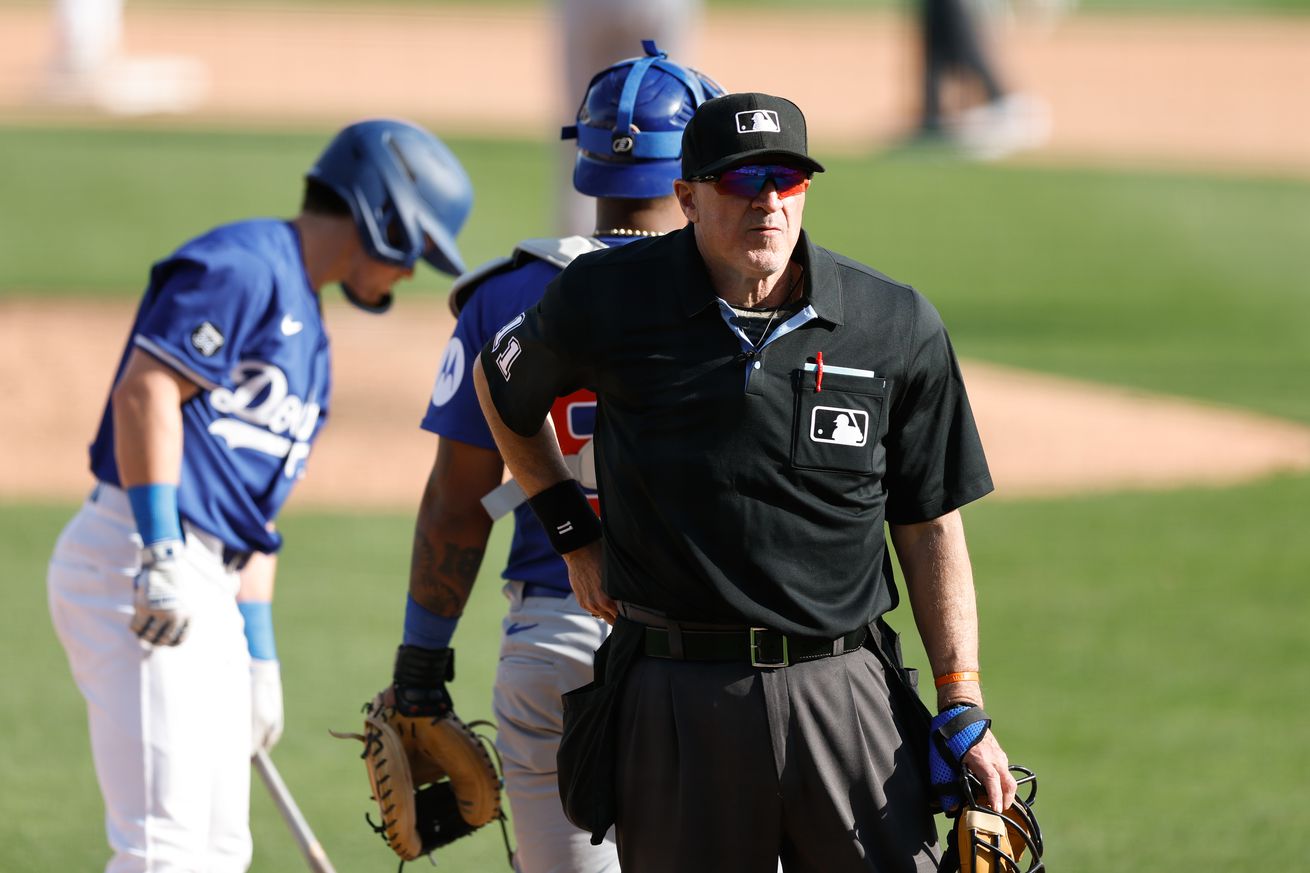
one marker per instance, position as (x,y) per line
(842,426)
(838,427)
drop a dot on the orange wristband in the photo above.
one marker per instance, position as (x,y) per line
(952,678)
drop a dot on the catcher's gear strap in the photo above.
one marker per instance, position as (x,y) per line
(956,728)
(559,252)
(509,496)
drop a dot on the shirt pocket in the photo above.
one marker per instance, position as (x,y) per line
(840,427)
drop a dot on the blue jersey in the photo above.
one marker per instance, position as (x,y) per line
(454,413)
(233,312)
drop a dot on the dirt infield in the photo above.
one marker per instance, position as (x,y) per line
(1044,435)
(1227,93)
(1206,92)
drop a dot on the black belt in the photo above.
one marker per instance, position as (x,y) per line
(758,646)
(234,560)
(538,589)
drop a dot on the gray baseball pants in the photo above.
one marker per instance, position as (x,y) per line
(726,768)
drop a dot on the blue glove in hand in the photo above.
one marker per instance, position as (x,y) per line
(953,733)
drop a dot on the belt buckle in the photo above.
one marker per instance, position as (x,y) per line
(755,650)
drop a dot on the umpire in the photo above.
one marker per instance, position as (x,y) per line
(765,405)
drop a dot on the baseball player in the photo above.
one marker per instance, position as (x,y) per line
(160,587)
(592,35)
(629,131)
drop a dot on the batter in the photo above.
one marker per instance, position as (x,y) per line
(220,393)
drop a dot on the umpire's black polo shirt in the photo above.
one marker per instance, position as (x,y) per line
(734,487)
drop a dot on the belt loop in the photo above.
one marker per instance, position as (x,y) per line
(675,641)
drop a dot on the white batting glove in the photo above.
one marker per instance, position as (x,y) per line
(159,612)
(266,716)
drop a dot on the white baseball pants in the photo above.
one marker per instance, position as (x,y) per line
(170,727)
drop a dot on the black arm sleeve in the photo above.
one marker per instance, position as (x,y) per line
(535,358)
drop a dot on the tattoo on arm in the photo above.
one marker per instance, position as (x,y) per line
(444,581)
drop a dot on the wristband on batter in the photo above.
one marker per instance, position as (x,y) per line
(566,515)
(154,506)
(259,629)
(426,629)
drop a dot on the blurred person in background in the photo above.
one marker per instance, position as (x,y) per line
(160,588)
(625,162)
(89,68)
(593,35)
(955,55)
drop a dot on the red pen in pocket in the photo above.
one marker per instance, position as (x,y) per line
(818,372)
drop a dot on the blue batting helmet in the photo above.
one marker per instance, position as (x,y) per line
(404,188)
(630,125)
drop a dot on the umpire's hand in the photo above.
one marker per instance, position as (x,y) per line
(585,578)
(987,761)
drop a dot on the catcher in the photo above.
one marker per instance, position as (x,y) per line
(431,775)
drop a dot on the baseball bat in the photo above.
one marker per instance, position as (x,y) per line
(286,804)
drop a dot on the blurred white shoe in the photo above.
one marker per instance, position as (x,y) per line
(1014,123)
(141,85)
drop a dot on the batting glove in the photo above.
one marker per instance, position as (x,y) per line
(159,613)
(953,733)
(266,716)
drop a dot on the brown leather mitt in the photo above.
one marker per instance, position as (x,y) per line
(431,776)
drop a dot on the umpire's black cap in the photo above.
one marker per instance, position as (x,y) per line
(737,129)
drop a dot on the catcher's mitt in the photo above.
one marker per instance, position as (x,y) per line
(982,840)
(431,776)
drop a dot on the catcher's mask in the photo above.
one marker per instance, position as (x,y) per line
(407,192)
(629,126)
(984,841)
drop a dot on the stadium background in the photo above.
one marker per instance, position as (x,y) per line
(1131,301)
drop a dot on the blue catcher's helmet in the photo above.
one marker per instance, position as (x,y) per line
(404,187)
(630,125)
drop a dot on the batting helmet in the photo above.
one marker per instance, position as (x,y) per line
(404,189)
(630,125)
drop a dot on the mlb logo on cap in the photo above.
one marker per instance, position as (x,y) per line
(738,129)
(758,120)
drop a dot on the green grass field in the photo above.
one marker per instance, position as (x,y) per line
(1144,652)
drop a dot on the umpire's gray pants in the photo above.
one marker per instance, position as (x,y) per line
(725,768)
